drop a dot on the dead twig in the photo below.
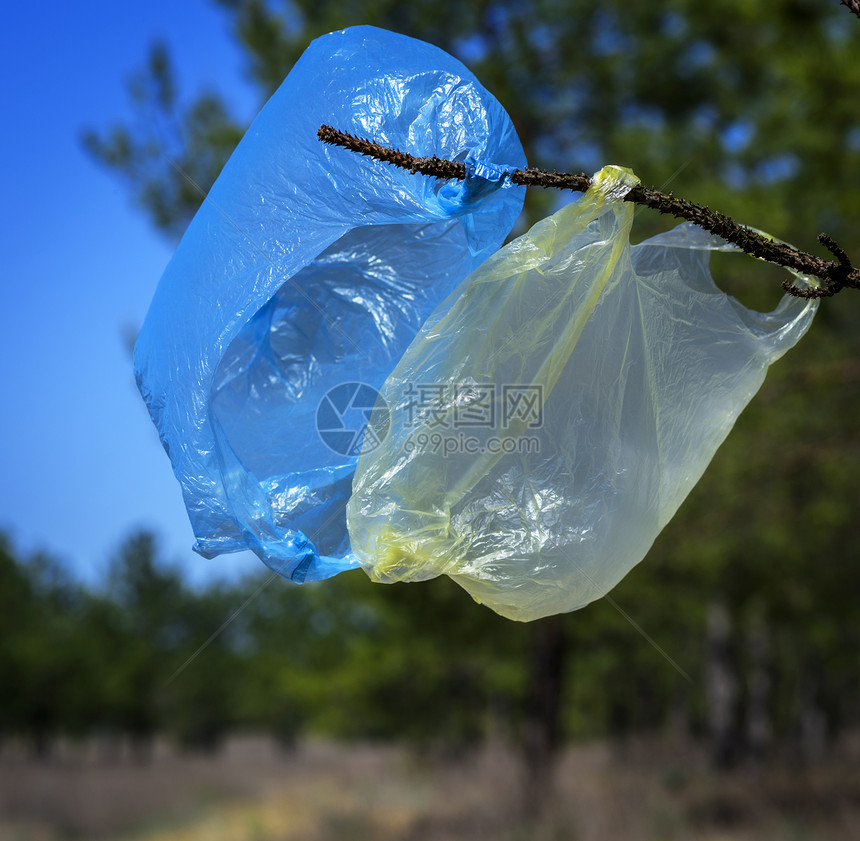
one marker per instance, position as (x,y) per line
(834,274)
(852,6)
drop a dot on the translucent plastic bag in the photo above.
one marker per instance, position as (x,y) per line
(557,408)
(304,277)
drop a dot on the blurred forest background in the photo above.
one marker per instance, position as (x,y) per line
(738,635)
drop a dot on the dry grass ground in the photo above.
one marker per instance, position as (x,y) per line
(323,792)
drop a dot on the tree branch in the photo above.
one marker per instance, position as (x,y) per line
(852,6)
(835,275)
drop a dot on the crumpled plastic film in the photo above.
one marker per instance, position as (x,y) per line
(309,268)
(558,407)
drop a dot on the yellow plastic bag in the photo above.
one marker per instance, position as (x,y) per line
(557,408)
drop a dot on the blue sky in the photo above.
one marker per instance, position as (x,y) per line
(80,464)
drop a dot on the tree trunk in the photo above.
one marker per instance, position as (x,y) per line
(542,720)
(812,720)
(758,724)
(721,687)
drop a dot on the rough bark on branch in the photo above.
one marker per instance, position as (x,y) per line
(834,274)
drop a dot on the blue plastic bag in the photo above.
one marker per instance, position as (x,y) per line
(303,278)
